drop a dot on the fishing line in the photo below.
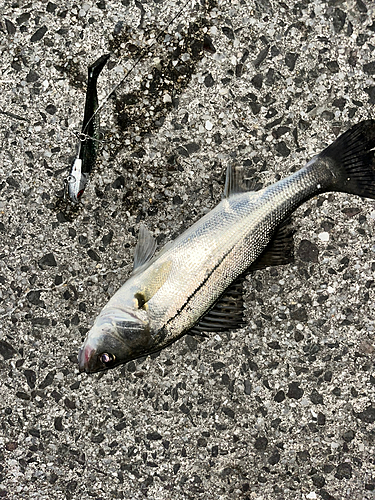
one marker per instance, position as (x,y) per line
(87,146)
(139,58)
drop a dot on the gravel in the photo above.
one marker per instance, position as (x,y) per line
(281,409)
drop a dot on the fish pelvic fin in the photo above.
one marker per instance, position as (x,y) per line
(234,181)
(351,159)
(145,248)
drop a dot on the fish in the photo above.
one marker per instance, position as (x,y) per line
(195,283)
(89,139)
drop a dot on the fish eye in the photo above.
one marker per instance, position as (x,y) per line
(71,179)
(106,358)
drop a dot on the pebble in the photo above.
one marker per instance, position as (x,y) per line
(208,125)
(167,98)
(324,236)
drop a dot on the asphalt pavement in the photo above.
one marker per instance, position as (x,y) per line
(281,409)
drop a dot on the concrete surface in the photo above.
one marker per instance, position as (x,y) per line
(282,409)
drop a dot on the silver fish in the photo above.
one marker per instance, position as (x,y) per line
(194,283)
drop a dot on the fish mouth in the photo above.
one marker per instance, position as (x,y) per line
(84,358)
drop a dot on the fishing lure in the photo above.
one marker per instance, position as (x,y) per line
(89,140)
(89,137)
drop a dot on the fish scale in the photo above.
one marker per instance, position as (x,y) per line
(189,283)
(240,228)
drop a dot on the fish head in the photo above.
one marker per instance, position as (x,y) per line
(114,339)
(76,181)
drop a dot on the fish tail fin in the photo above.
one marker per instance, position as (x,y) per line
(352,157)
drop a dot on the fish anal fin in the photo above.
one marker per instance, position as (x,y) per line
(226,314)
(279,251)
(145,248)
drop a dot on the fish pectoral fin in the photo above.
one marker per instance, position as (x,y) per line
(155,280)
(234,181)
(279,251)
(145,248)
(226,314)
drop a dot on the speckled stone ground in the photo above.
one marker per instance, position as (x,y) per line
(282,409)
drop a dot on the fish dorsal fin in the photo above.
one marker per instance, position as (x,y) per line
(280,249)
(145,248)
(226,314)
(234,181)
